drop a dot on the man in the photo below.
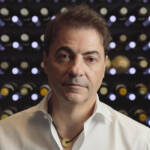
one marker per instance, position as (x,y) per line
(71,117)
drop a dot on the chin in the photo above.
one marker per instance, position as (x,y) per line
(75,98)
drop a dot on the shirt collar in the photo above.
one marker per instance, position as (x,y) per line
(43,105)
(100,110)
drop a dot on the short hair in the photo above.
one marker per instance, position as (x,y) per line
(78,16)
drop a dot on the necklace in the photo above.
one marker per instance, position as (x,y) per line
(66,142)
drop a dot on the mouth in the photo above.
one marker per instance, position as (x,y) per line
(73,85)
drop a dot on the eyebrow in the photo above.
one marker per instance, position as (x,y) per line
(65,48)
(92,52)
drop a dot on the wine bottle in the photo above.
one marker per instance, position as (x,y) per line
(120,63)
(8,89)
(8,112)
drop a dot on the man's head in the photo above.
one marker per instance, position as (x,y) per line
(76,57)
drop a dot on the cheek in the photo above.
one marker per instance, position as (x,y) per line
(56,72)
(97,76)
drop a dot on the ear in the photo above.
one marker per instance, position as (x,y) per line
(106,60)
(45,62)
(105,63)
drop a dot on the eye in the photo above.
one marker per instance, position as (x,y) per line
(91,59)
(63,57)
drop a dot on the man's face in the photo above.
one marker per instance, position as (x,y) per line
(75,64)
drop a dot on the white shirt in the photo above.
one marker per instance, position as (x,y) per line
(106,129)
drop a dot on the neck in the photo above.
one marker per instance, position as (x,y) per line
(69,119)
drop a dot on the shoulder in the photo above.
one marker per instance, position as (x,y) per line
(23,128)
(17,120)
(30,118)
(126,124)
(23,123)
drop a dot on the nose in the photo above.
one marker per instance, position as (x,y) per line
(76,67)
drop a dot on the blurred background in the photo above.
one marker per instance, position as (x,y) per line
(126,86)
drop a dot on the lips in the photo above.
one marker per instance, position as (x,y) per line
(72,85)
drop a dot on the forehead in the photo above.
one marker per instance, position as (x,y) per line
(79,39)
